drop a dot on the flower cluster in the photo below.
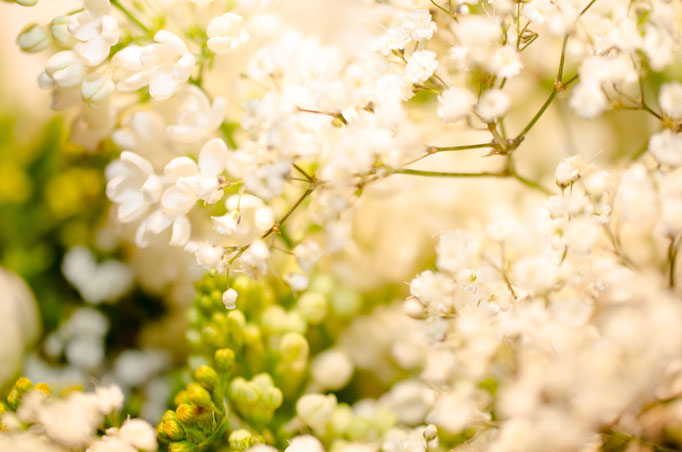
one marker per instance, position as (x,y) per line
(248,144)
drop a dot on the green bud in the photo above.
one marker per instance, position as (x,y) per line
(240,439)
(250,393)
(198,395)
(181,447)
(272,398)
(237,388)
(252,334)
(27,2)
(193,337)
(211,336)
(243,285)
(181,397)
(294,347)
(313,307)
(21,387)
(205,302)
(187,414)
(173,430)
(263,381)
(44,388)
(345,302)
(207,376)
(33,38)
(341,420)
(224,359)
(360,429)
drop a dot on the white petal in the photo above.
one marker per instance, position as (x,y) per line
(158,222)
(95,51)
(152,188)
(176,202)
(168,38)
(212,158)
(110,30)
(182,70)
(217,116)
(162,85)
(141,235)
(182,231)
(180,167)
(138,162)
(133,206)
(185,134)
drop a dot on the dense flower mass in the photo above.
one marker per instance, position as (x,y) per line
(248,147)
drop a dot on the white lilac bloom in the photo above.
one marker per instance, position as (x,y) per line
(163,66)
(226,33)
(63,70)
(96,29)
(195,117)
(133,185)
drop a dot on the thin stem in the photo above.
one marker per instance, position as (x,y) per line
(286,216)
(415,172)
(672,259)
(538,114)
(560,73)
(464,147)
(303,173)
(628,439)
(130,16)
(530,183)
(586,8)
(441,8)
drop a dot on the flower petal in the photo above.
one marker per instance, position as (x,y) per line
(212,158)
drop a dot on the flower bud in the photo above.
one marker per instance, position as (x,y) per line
(272,398)
(44,388)
(198,395)
(294,347)
(181,447)
(332,369)
(21,387)
(229,298)
(206,376)
(96,90)
(26,2)
(173,430)
(187,414)
(59,27)
(33,38)
(313,307)
(316,409)
(414,308)
(224,359)
(65,69)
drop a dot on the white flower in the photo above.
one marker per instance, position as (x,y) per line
(139,434)
(132,185)
(492,105)
(316,409)
(331,369)
(226,33)
(208,256)
(164,66)
(505,62)
(109,398)
(195,117)
(59,28)
(254,219)
(193,182)
(230,298)
(421,66)
(297,281)
(670,99)
(227,224)
(419,25)
(455,103)
(666,147)
(305,443)
(307,254)
(97,88)
(588,100)
(96,29)
(63,70)
(254,261)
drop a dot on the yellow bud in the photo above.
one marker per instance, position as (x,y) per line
(224,359)
(206,376)
(198,395)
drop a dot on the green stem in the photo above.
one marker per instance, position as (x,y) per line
(538,114)
(414,172)
(560,73)
(464,147)
(672,260)
(130,16)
